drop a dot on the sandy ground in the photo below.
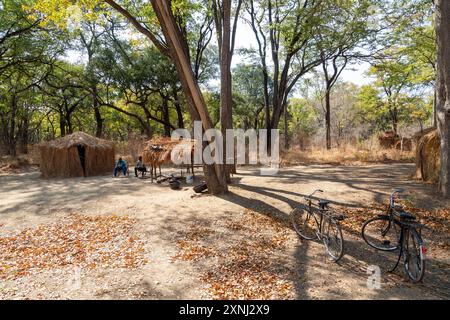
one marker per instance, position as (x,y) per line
(27,201)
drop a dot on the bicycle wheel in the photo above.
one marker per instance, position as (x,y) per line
(305,223)
(413,256)
(332,238)
(381,233)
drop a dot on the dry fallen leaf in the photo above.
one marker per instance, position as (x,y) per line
(77,240)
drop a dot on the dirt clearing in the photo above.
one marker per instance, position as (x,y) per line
(185,246)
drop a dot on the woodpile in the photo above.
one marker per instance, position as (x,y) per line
(76,155)
(428,156)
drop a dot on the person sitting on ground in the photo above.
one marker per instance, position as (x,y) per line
(121,166)
(140,168)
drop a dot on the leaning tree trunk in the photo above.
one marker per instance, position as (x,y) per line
(214,174)
(443,90)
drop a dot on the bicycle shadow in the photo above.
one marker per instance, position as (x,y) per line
(358,257)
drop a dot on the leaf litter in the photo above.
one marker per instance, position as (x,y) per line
(243,269)
(77,240)
(437,221)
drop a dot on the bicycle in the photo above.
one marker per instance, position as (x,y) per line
(398,229)
(320,223)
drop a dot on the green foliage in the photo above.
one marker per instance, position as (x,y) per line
(122,79)
(302,118)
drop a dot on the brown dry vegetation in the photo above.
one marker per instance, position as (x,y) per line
(346,154)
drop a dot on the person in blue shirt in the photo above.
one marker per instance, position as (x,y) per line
(121,165)
(140,168)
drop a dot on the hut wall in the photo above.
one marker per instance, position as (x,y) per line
(99,161)
(59,162)
(428,157)
(55,163)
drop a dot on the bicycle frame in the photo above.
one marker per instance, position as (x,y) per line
(311,212)
(405,228)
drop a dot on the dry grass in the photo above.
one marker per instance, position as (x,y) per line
(347,154)
(14,165)
(133,148)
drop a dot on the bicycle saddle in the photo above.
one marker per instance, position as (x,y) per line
(406,216)
(323,204)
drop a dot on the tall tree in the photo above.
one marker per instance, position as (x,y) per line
(443,90)
(226,37)
(347,36)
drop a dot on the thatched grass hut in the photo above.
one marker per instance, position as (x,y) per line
(76,155)
(428,156)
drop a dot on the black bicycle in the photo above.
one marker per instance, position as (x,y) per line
(398,230)
(321,223)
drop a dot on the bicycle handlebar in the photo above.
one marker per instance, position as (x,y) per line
(310,196)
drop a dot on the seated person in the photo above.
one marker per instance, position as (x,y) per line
(139,168)
(121,165)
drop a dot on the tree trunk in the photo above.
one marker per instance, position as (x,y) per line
(226,99)
(69,123)
(12,142)
(166,118)
(443,90)
(98,115)
(62,125)
(395,120)
(328,118)
(214,174)
(24,134)
(286,127)
(178,108)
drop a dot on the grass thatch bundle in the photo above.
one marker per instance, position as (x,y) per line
(159,151)
(428,156)
(76,155)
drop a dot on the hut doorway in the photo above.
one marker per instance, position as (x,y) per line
(82,155)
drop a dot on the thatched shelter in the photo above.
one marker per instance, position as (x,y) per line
(76,155)
(159,151)
(428,156)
